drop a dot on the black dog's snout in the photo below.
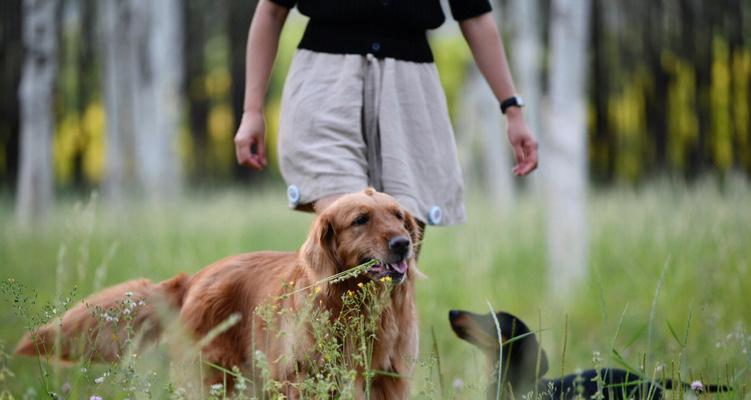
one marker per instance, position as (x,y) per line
(454,314)
(399,245)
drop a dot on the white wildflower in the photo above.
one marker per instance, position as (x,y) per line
(101,378)
(216,389)
(659,368)
(458,385)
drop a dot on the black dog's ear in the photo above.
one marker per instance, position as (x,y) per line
(530,351)
(521,352)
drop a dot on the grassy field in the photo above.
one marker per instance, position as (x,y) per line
(695,322)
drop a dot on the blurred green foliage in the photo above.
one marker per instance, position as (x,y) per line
(683,127)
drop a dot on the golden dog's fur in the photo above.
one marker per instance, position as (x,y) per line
(354,228)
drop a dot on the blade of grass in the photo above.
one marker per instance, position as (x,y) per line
(565,345)
(438,362)
(618,358)
(500,350)
(653,310)
(635,336)
(688,324)
(619,327)
(672,332)
(601,293)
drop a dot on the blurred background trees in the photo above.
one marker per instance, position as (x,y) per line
(667,87)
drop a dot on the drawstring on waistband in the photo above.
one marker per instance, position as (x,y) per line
(370,113)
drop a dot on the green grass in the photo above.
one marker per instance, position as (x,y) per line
(700,324)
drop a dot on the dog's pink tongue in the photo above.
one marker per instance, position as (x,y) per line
(400,267)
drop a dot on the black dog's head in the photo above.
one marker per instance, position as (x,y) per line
(520,347)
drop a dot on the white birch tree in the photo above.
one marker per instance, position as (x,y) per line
(526,60)
(159,77)
(117,49)
(564,155)
(35,183)
(143,75)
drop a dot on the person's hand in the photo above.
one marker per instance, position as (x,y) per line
(522,141)
(250,143)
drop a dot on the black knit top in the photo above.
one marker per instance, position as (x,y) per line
(384,28)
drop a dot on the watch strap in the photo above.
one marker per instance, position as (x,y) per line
(513,101)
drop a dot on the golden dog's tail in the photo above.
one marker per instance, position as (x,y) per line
(107,323)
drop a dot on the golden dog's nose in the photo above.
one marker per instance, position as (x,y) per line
(399,245)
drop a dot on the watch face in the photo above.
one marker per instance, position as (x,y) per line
(519,101)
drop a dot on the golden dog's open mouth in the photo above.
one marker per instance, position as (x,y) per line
(396,270)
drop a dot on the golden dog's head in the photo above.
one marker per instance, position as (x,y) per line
(360,227)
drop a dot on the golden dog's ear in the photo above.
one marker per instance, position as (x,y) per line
(319,249)
(415,232)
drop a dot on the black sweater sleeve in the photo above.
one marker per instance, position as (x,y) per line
(464,9)
(285,3)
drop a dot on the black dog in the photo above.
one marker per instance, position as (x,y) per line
(525,362)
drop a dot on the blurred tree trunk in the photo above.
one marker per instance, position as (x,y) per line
(601,142)
(34,195)
(565,152)
(696,48)
(143,77)
(159,74)
(11,60)
(527,50)
(239,15)
(117,49)
(196,34)
(655,43)
(88,84)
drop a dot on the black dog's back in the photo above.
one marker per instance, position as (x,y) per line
(524,363)
(612,383)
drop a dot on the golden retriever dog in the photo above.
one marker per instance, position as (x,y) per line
(354,229)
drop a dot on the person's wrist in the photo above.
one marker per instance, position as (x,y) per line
(514,114)
(253,106)
(251,113)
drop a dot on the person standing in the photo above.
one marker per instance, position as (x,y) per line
(362,104)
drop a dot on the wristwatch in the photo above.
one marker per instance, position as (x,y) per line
(513,101)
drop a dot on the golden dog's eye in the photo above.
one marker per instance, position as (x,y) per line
(399,215)
(361,219)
